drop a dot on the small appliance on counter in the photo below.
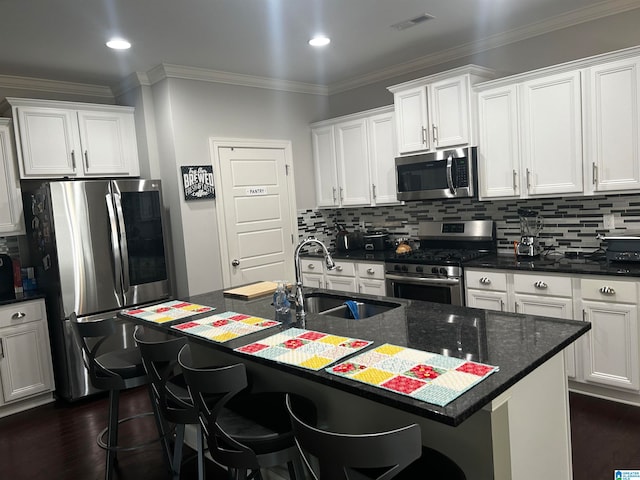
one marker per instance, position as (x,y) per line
(530,226)
(347,241)
(377,240)
(623,247)
(7,290)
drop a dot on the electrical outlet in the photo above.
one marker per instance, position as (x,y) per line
(608,221)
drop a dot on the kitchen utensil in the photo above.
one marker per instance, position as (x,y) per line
(252,291)
(530,226)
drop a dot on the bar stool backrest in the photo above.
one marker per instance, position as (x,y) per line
(380,455)
(211,389)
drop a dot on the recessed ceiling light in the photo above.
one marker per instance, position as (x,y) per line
(319,41)
(118,44)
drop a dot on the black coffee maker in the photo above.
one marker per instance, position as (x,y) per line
(7,292)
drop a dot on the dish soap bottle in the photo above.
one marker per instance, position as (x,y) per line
(281,304)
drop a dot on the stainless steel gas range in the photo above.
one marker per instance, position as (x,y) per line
(435,272)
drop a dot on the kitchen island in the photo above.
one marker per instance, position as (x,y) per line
(512,425)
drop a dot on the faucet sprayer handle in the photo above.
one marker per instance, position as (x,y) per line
(329,262)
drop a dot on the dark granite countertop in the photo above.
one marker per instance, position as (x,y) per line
(515,343)
(22,297)
(558,264)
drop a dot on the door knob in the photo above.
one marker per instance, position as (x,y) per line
(235,262)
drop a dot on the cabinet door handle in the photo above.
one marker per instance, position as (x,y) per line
(18,315)
(373,190)
(73,159)
(528,179)
(434,130)
(1,348)
(334,195)
(584,315)
(541,285)
(516,307)
(86,160)
(339,268)
(341,194)
(485,281)
(370,271)
(595,173)
(424,136)
(502,305)
(607,290)
(515,179)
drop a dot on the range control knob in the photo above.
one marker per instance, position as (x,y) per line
(405,268)
(443,271)
(396,268)
(434,270)
(419,269)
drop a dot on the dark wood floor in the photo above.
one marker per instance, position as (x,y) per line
(57,441)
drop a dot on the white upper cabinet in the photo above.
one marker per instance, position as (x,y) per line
(11,213)
(66,139)
(552,134)
(499,151)
(435,112)
(613,125)
(354,159)
(353,162)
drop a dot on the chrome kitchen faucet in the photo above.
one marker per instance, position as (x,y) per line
(298,298)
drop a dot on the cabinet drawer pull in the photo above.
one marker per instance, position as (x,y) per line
(370,271)
(485,281)
(541,285)
(311,266)
(607,291)
(339,268)
(18,315)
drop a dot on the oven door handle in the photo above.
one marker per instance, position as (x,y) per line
(424,281)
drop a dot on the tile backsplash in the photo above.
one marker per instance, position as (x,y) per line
(570,224)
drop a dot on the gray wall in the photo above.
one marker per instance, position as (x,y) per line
(580,41)
(187,115)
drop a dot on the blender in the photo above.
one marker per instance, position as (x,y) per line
(530,226)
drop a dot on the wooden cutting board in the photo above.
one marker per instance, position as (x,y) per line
(252,291)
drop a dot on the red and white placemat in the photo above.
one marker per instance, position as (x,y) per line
(225,326)
(167,311)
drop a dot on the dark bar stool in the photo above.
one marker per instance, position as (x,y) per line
(245,431)
(395,454)
(169,392)
(113,370)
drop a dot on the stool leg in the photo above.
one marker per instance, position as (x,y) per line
(112,434)
(177,452)
(200,447)
(162,428)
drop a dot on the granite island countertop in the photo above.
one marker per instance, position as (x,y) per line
(517,344)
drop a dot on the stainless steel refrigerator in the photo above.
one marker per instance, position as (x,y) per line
(98,246)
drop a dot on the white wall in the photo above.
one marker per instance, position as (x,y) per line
(188,113)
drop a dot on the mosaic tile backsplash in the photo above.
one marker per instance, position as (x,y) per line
(570,224)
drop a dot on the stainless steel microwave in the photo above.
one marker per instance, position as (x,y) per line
(440,174)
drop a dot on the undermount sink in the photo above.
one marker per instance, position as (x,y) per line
(333,305)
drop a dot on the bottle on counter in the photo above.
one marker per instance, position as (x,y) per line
(282,304)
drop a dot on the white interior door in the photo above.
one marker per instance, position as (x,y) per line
(256,196)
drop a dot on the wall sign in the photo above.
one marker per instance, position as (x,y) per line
(197,181)
(256,191)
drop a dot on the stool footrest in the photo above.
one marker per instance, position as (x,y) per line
(102,444)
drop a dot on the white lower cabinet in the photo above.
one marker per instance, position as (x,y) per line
(25,355)
(610,353)
(348,276)
(607,356)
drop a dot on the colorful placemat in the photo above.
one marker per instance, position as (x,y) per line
(304,348)
(425,376)
(167,311)
(226,326)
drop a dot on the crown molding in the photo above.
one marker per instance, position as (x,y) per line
(165,70)
(55,86)
(135,80)
(569,19)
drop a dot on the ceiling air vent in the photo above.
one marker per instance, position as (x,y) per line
(412,22)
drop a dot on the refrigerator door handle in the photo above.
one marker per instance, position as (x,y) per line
(124,249)
(115,251)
